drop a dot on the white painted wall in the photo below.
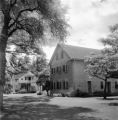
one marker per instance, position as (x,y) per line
(79,76)
(60,60)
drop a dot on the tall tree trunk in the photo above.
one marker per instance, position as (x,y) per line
(105,89)
(3,43)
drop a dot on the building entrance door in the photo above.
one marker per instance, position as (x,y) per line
(89,87)
(108,87)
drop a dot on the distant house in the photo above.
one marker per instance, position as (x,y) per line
(68,71)
(25,81)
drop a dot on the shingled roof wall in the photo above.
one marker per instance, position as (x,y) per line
(75,52)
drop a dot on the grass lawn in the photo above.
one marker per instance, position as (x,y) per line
(33,107)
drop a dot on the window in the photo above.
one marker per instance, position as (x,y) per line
(58,85)
(101,84)
(51,70)
(58,69)
(63,68)
(116,85)
(29,78)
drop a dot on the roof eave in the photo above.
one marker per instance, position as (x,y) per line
(77,59)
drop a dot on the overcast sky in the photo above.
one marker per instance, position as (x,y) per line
(89,21)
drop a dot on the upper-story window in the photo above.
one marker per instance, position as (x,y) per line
(65,68)
(29,78)
(57,69)
(51,70)
(58,85)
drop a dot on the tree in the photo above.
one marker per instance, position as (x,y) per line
(41,69)
(43,78)
(35,17)
(105,65)
(111,41)
(101,66)
(111,46)
(18,64)
(38,65)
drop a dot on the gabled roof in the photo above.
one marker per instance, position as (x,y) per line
(23,74)
(76,52)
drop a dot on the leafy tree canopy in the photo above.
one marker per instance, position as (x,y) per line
(38,18)
(105,65)
(101,66)
(111,41)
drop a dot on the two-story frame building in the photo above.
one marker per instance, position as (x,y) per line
(68,71)
(24,81)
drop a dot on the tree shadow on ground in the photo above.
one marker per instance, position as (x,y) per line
(112,98)
(108,98)
(41,111)
(113,104)
(112,101)
(26,99)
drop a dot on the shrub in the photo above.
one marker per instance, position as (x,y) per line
(58,95)
(39,93)
(115,94)
(32,89)
(98,93)
(78,93)
(7,89)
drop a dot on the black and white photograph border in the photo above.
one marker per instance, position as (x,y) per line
(58,59)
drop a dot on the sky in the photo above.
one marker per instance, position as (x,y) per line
(89,20)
